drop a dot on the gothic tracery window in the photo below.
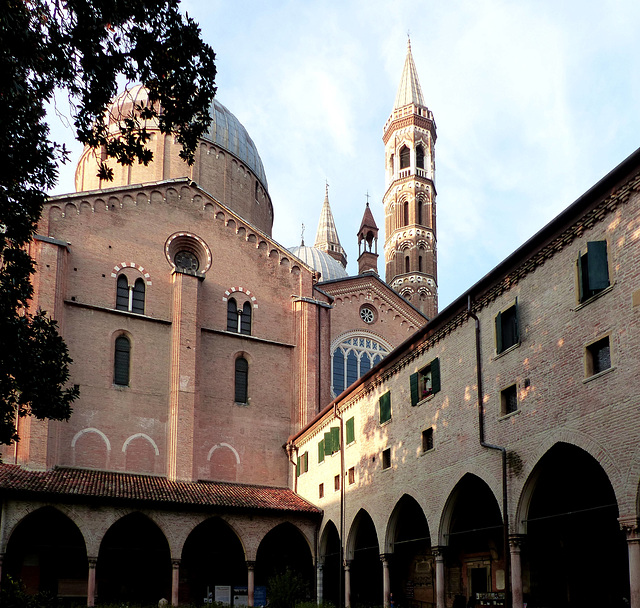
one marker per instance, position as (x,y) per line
(405,157)
(352,358)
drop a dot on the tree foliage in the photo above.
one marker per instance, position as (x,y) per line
(87,50)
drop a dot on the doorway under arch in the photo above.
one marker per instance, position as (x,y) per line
(574,553)
(366,568)
(47,553)
(134,562)
(332,564)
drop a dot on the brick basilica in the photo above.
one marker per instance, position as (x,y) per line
(247,408)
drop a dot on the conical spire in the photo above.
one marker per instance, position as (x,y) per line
(409,90)
(368,223)
(327,235)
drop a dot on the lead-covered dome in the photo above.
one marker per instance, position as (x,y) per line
(321,261)
(228,132)
(226,164)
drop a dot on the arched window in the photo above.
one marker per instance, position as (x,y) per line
(420,157)
(419,263)
(245,321)
(406,264)
(121,361)
(242,378)
(352,358)
(122,293)
(405,213)
(420,206)
(232,315)
(405,158)
(137,300)
(130,298)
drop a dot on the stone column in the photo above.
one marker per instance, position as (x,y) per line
(386,580)
(251,581)
(438,554)
(630,527)
(175,581)
(515,545)
(91,582)
(319,582)
(347,583)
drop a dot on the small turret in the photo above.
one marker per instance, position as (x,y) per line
(327,236)
(368,243)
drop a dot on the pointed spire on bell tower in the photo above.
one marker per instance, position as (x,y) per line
(327,235)
(410,200)
(368,242)
(409,91)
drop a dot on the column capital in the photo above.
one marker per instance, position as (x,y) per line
(438,552)
(347,564)
(629,525)
(251,565)
(175,563)
(516,541)
(385,558)
(92,562)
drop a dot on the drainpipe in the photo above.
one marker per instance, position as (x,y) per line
(503,451)
(341,597)
(291,448)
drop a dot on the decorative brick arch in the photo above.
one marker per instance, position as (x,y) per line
(91,430)
(143,436)
(243,290)
(224,445)
(118,267)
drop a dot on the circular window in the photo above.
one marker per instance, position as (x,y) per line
(367,314)
(186,261)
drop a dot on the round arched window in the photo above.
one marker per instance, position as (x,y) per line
(186,261)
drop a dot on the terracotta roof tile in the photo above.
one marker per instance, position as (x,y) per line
(125,486)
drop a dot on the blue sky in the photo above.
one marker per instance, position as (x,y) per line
(534,102)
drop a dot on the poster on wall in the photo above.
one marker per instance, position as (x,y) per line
(260,596)
(240,596)
(223,594)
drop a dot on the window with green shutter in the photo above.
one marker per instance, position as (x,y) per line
(302,464)
(320,451)
(385,407)
(332,441)
(593,270)
(425,382)
(350,430)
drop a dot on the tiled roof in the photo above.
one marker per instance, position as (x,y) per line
(86,483)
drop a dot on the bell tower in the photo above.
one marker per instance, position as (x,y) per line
(410,199)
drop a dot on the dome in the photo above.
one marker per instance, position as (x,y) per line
(328,268)
(225,129)
(227,132)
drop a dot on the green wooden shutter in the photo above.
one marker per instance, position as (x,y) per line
(385,407)
(413,382)
(351,435)
(597,265)
(335,438)
(321,451)
(581,279)
(328,444)
(298,467)
(435,375)
(305,462)
(499,332)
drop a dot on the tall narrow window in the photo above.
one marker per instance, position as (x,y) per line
(405,213)
(232,315)
(122,293)
(420,157)
(245,321)
(242,377)
(593,270)
(405,158)
(420,206)
(507,332)
(419,263)
(121,361)
(406,264)
(137,297)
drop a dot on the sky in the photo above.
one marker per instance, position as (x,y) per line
(534,102)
